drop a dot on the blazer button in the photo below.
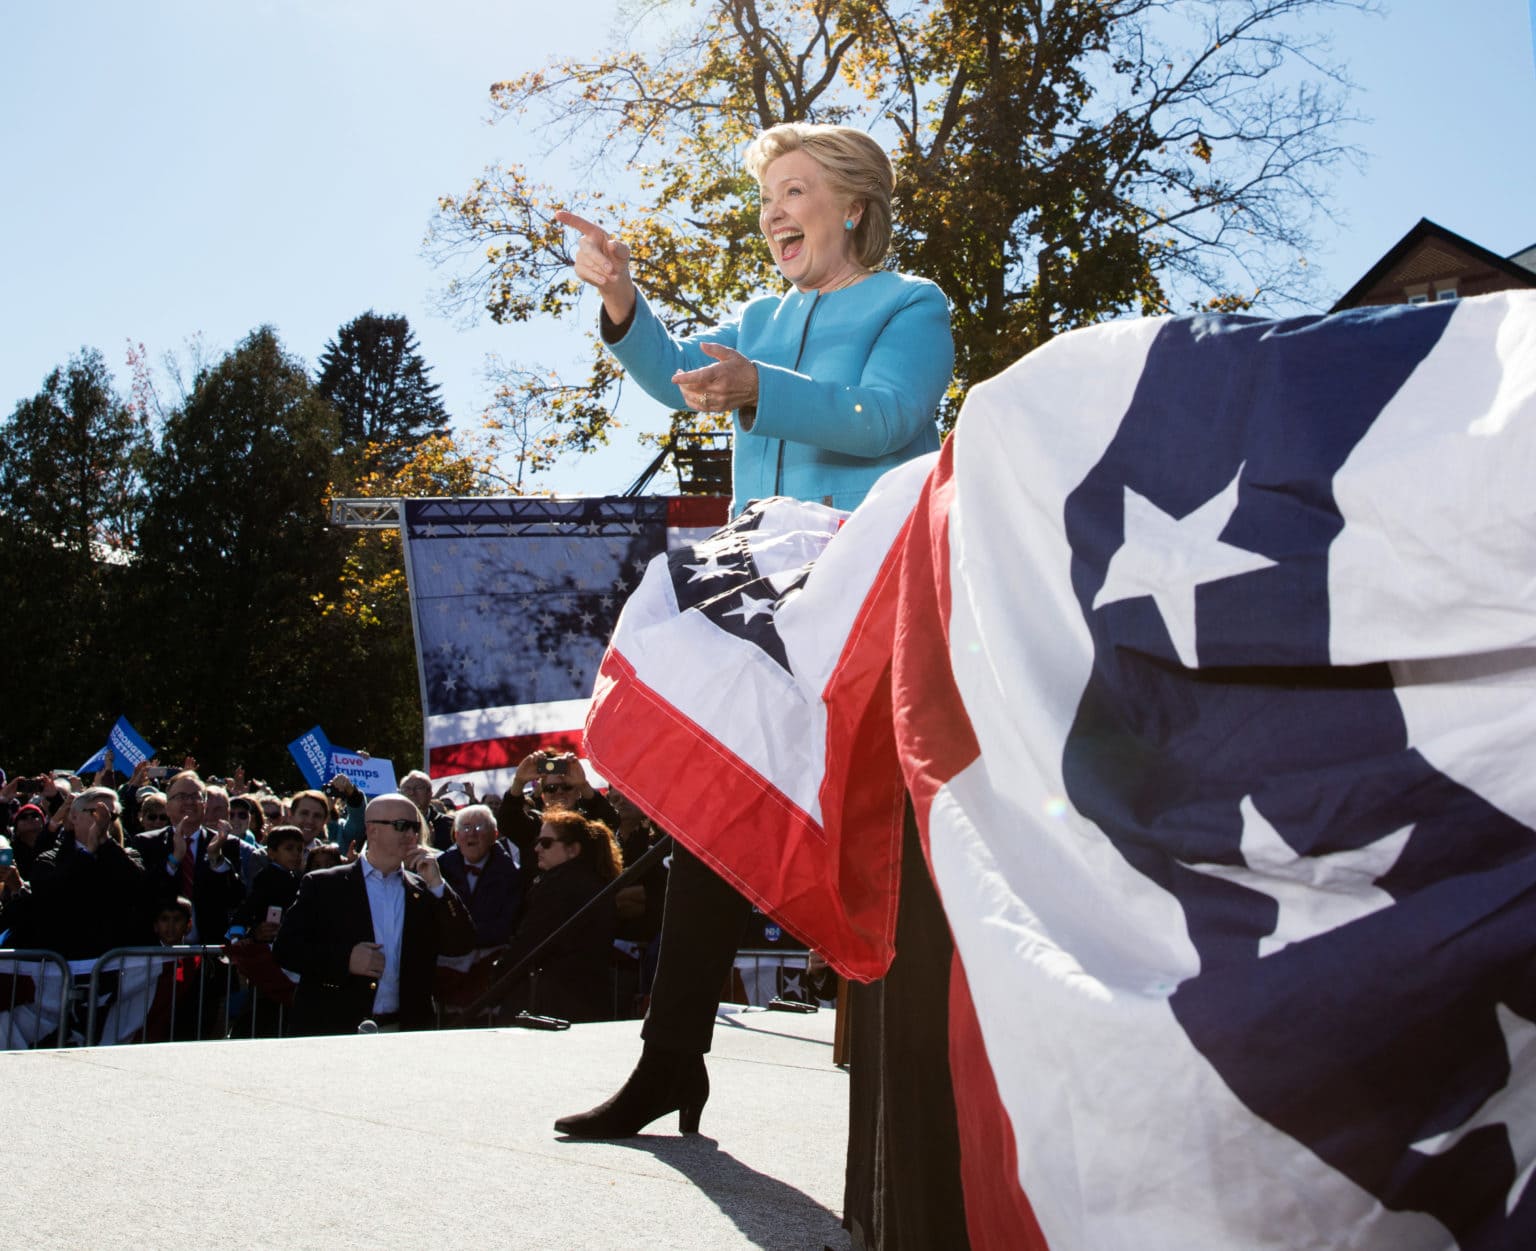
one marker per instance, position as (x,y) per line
(373,986)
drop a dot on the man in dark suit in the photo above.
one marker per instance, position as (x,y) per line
(364,937)
(480,867)
(187,859)
(87,895)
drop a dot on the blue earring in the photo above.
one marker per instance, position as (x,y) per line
(847,223)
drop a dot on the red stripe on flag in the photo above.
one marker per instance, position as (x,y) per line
(998,1216)
(935,736)
(862,793)
(936,742)
(731,817)
(698,510)
(485,754)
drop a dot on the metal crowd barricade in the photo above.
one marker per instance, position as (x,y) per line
(26,1022)
(134,994)
(149,994)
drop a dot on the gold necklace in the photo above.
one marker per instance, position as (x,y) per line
(856,276)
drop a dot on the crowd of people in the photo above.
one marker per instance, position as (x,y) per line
(319,910)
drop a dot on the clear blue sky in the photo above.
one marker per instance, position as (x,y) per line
(183,166)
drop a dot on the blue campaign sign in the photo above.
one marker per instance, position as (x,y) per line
(313,753)
(127,746)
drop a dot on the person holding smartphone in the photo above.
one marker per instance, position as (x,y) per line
(546,782)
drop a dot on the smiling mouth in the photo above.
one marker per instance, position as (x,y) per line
(789,243)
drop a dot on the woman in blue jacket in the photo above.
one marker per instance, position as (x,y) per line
(830,384)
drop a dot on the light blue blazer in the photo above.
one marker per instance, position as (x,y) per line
(848,383)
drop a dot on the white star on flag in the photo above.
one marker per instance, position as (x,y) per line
(1315,894)
(751,608)
(1168,557)
(1513,1106)
(711,568)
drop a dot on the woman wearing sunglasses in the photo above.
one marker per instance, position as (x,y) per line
(570,978)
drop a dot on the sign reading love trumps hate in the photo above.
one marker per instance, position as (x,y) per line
(319,762)
(369,774)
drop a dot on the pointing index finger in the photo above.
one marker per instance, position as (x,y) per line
(590,229)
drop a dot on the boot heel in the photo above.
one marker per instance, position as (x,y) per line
(663,1082)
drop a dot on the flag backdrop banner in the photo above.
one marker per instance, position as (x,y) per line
(513,601)
(1211,679)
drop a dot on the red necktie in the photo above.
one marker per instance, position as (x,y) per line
(188,869)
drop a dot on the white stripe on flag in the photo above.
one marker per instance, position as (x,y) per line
(477,724)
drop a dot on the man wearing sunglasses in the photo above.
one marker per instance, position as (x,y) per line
(364,937)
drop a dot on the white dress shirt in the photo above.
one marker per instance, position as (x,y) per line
(386,902)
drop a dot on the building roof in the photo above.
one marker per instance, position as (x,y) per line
(1423,238)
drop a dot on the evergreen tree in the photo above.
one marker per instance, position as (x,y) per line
(373,375)
(236,548)
(71,472)
(71,491)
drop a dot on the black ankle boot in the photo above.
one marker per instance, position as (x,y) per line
(663,1081)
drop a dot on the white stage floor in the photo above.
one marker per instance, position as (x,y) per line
(421,1141)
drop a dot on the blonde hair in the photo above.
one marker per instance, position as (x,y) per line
(855,165)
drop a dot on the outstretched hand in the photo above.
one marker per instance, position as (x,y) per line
(727,385)
(603,262)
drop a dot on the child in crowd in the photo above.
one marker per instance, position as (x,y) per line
(262,911)
(322,856)
(174,1005)
(174,921)
(273,891)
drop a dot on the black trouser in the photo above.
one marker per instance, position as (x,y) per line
(701,928)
